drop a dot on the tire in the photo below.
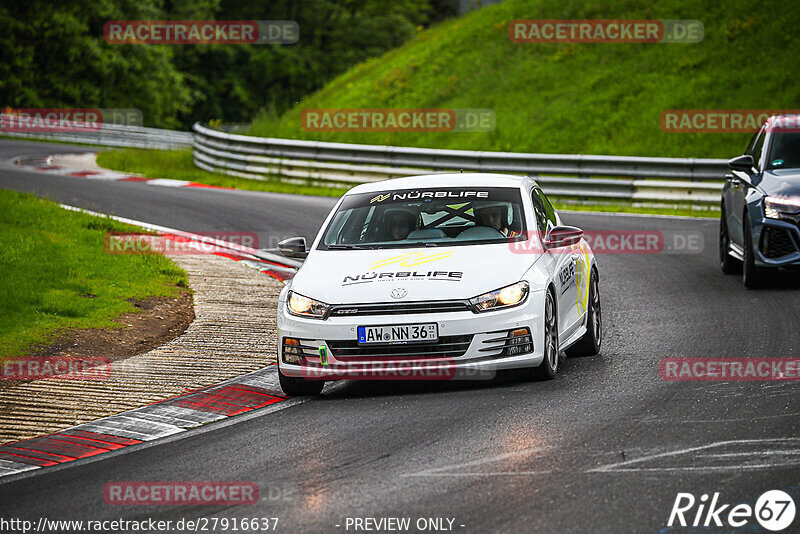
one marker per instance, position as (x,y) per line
(548,369)
(752,276)
(727,263)
(589,344)
(300,387)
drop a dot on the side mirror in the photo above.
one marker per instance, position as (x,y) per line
(562,236)
(294,247)
(742,163)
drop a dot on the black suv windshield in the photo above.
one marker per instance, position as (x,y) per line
(426,217)
(784,152)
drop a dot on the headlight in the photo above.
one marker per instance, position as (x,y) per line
(774,206)
(505,297)
(305,307)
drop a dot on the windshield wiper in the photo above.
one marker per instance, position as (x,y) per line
(349,246)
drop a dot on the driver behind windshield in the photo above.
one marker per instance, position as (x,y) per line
(495,216)
(399,223)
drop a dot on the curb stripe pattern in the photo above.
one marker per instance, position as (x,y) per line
(171,416)
(275,270)
(278,271)
(61,447)
(43,164)
(270,268)
(247,256)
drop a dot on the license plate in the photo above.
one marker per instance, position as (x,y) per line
(399,333)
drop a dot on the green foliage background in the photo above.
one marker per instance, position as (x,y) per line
(53,54)
(557,98)
(593,98)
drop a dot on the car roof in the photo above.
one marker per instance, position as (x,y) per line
(784,116)
(465,179)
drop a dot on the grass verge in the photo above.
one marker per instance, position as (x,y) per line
(622,208)
(56,274)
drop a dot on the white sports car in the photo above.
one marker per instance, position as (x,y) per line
(437,277)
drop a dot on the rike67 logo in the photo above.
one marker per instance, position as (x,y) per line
(774,511)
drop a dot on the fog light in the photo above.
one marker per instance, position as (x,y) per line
(291,351)
(519,342)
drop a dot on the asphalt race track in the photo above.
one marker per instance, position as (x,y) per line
(606,447)
(199,210)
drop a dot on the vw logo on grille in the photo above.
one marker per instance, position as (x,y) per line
(398,293)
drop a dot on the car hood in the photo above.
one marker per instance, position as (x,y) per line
(781,182)
(418,274)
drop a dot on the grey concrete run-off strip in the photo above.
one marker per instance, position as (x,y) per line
(234,332)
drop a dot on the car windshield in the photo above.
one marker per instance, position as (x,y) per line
(426,217)
(785,150)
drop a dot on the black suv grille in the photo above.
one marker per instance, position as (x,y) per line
(446,347)
(399,308)
(776,242)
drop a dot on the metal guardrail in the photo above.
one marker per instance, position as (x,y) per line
(112,135)
(637,179)
(593,178)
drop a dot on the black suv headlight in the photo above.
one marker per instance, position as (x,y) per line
(774,206)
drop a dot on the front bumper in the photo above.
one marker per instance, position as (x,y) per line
(776,243)
(470,345)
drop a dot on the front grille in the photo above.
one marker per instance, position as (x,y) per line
(399,308)
(446,347)
(776,242)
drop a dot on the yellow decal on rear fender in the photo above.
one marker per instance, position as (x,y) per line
(583,282)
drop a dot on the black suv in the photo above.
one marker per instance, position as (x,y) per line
(759,228)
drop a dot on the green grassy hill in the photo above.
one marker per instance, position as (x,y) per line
(576,98)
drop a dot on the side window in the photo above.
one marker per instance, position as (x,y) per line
(538,210)
(756,146)
(758,149)
(549,212)
(752,142)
